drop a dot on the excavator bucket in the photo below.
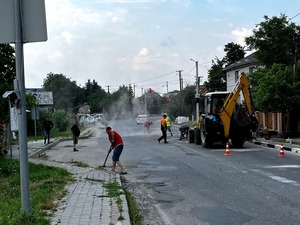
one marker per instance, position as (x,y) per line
(241,117)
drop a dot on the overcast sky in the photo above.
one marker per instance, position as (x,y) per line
(142,42)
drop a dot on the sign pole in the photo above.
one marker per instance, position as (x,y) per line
(24,174)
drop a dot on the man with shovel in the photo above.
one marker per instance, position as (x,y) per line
(118,145)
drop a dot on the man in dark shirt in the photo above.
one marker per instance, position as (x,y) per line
(47,126)
(76,132)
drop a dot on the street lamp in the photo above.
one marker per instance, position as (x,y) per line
(197,96)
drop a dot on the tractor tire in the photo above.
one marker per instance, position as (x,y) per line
(191,136)
(197,137)
(236,135)
(237,142)
(205,139)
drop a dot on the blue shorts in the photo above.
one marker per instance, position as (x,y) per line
(117,152)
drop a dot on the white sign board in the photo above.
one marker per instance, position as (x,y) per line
(34,21)
(45,98)
(14,119)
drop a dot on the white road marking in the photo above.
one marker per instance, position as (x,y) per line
(277,178)
(284,166)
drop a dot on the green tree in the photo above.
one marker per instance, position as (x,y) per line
(234,52)
(91,87)
(7,75)
(182,103)
(65,91)
(216,76)
(62,120)
(7,64)
(274,89)
(274,41)
(122,101)
(99,101)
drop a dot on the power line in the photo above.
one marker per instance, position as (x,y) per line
(293,17)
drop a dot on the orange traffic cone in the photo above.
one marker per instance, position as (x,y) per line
(227,152)
(281,153)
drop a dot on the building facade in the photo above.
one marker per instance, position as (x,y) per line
(275,122)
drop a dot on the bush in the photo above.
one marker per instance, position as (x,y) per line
(62,120)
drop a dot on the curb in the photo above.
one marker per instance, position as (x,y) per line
(276,146)
(40,151)
(125,209)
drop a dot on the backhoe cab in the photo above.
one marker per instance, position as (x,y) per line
(223,116)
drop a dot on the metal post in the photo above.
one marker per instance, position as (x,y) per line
(24,174)
(145,103)
(197,92)
(34,114)
(9,138)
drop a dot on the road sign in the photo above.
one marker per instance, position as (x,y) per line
(14,119)
(34,21)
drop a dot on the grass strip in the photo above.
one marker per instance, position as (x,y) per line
(46,183)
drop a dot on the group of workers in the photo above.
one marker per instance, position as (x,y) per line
(165,126)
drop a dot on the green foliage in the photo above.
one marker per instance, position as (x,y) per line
(274,40)
(31,101)
(183,104)
(62,120)
(7,167)
(216,76)
(234,52)
(134,214)
(46,185)
(7,75)
(99,100)
(113,189)
(7,64)
(274,89)
(275,85)
(65,91)
(121,101)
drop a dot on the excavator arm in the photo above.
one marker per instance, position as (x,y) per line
(227,110)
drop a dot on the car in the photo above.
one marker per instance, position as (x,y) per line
(141,119)
(181,119)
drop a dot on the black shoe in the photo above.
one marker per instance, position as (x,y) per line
(75,150)
(158,140)
(166,142)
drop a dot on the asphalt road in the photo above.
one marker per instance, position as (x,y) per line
(181,183)
(186,184)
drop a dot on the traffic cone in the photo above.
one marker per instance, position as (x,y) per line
(281,153)
(227,152)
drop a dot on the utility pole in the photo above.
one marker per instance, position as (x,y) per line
(180,80)
(145,101)
(108,88)
(167,87)
(134,90)
(197,96)
(296,54)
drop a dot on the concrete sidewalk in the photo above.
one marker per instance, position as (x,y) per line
(86,201)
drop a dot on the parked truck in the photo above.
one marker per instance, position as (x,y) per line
(225,117)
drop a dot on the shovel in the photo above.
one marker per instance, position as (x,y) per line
(106,157)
